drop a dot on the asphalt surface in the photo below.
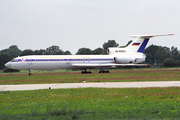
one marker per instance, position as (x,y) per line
(88,85)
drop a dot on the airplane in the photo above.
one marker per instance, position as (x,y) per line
(131,55)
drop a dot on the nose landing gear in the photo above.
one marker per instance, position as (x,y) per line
(30,74)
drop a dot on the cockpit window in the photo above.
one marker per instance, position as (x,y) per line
(14,60)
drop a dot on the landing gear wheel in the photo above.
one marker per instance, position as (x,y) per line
(85,72)
(103,71)
(30,74)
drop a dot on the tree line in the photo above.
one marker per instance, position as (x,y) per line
(155,55)
(162,56)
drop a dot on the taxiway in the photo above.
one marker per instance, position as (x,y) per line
(90,85)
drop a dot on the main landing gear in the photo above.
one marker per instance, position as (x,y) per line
(85,72)
(89,72)
(103,71)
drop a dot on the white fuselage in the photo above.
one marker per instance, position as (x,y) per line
(51,62)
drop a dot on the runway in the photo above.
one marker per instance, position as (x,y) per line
(90,85)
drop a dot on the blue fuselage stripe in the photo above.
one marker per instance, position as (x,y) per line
(55,60)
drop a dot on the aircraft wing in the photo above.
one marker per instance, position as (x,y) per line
(105,65)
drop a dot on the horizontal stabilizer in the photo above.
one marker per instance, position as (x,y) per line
(149,36)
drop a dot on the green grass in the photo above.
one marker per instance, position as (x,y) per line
(91,103)
(76,77)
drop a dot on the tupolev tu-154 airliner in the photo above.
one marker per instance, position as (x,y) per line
(131,55)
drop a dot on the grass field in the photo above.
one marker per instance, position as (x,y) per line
(72,77)
(91,103)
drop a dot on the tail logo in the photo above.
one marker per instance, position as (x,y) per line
(23,59)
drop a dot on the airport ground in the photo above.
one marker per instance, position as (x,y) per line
(92,103)
(128,75)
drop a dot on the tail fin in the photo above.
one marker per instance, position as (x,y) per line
(140,42)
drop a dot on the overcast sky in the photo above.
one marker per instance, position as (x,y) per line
(73,24)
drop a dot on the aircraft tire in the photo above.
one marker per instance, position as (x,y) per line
(104,71)
(86,72)
(30,74)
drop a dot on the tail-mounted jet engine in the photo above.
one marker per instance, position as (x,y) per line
(124,60)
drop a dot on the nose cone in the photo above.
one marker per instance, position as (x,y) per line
(8,65)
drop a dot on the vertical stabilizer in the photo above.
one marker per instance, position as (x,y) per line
(138,45)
